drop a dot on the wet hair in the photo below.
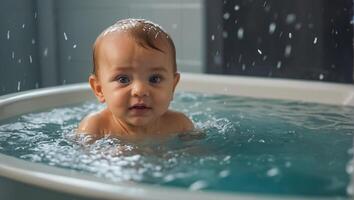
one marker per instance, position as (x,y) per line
(144,32)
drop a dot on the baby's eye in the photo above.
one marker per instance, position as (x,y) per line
(156,78)
(123,79)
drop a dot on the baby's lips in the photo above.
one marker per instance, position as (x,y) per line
(139,106)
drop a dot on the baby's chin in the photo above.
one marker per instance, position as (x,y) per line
(141,121)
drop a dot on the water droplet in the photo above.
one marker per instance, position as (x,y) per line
(224,173)
(35,15)
(19,60)
(264,58)
(290,18)
(226,16)
(261,141)
(33,41)
(13,55)
(213,37)
(45,52)
(30,58)
(279,64)
(18,85)
(298,26)
(272,27)
(321,76)
(65,36)
(243,67)
(259,51)
(240,58)
(290,35)
(287,164)
(287,51)
(273,172)
(74,46)
(8,34)
(240,33)
(315,40)
(174,26)
(69,58)
(227,157)
(224,34)
(36,85)
(64,82)
(237,7)
(198,185)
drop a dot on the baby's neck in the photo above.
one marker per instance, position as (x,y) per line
(130,130)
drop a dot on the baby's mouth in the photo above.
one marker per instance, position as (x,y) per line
(139,107)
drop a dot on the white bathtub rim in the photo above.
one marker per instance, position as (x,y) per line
(87,185)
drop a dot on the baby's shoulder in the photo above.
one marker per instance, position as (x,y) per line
(92,124)
(179,119)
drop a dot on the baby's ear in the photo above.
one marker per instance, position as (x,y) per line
(176,80)
(96,88)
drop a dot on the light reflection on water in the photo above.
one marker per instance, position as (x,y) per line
(250,145)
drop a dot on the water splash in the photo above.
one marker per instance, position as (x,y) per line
(290,18)
(279,64)
(213,37)
(225,34)
(18,85)
(287,50)
(315,40)
(226,16)
(45,52)
(272,27)
(240,33)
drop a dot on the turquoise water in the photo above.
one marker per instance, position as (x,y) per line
(250,145)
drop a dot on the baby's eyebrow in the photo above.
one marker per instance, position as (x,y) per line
(159,68)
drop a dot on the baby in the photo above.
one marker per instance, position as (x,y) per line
(135,74)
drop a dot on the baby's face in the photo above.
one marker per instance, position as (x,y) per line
(137,83)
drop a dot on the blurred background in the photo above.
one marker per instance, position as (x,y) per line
(47,43)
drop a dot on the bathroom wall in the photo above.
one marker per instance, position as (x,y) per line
(19,64)
(303,39)
(47,42)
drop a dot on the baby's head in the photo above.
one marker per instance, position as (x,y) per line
(147,34)
(134,64)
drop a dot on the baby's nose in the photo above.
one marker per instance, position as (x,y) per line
(140,90)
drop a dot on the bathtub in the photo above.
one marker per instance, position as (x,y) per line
(39,177)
